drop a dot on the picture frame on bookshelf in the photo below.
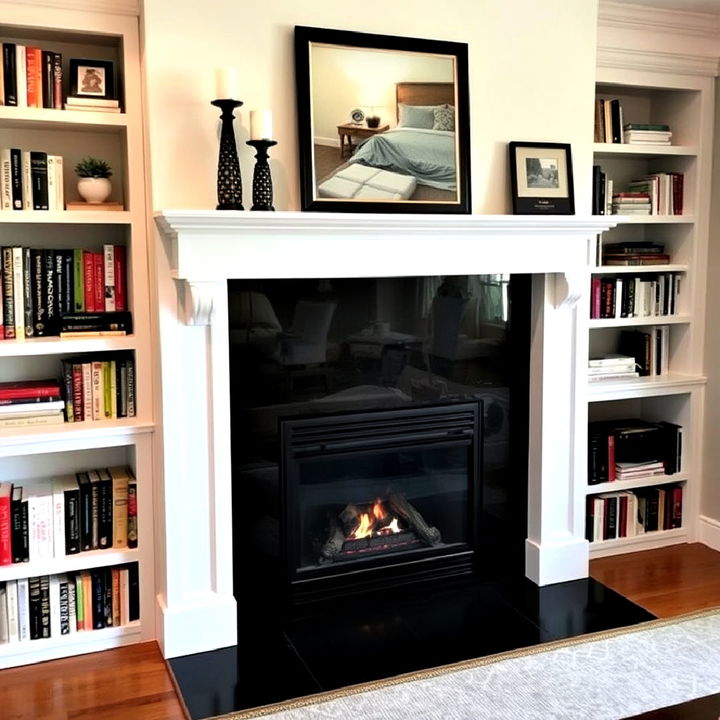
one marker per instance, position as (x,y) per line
(541,178)
(91,78)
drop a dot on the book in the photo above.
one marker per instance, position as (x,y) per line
(16,180)
(120,482)
(23,599)
(5,180)
(109,277)
(92,102)
(11,598)
(106,509)
(29,321)
(57,91)
(66,497)
(132,512)
(26,180)
(21,69)
(47,83)
(112,320)
(18,292)
(6,555)
(39,179)
(50,295)
(34,69)
(27,421)
(85,494)
(78,205)
(15,389)
(10,73)
(18,528)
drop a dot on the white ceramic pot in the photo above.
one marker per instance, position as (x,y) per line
(94,190)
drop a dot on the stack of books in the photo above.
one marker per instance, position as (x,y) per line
(631,203)
(93,104)
(665,191)
(31,402)
(30,76)
(635,470)
(611,366)
(639,252)
(647,134)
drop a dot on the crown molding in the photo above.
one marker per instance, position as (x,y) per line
(115,7)
(639,17)
(658,62)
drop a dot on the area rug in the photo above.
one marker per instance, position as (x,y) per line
(601,676)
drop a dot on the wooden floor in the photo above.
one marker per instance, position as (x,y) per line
(133,684)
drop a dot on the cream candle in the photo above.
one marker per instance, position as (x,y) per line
(226,83)
(261,125)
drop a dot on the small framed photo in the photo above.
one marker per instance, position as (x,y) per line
(91,78)
(542,179)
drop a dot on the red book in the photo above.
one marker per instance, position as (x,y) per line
(622,523)
(77,391)
(89,282)
(5,524)
(611,458)
(119,260)
(595,300)
(29,389)
(99,281)
(33,64)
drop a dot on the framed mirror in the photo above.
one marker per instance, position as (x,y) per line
(383,123)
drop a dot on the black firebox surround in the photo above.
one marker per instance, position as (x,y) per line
(347,435)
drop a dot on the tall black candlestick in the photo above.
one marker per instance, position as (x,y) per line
(229,182)
(262,191)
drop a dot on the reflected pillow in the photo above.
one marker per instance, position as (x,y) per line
(444,118)
(417,116)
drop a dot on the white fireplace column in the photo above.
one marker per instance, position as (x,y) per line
(201,250)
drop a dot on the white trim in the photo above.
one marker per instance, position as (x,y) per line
(661,62)
(709,532)
(644,19)
(115,7)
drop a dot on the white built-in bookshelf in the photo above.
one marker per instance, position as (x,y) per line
(36,454)
(680,95)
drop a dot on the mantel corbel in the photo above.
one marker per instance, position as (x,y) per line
(569,287)
(197,300)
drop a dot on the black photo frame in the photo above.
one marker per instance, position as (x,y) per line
(542,178)
(92,79)
(361,71)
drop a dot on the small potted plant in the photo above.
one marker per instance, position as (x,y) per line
(94,183)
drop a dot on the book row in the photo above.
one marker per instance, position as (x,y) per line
(633,512)
(627,296)
(31,76)
(31,180)
(623,448)
(654,194)
(51,606)
(649,347)
(55,291)
(92,510)
(611,128)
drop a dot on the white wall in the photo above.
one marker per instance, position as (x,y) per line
(531,74)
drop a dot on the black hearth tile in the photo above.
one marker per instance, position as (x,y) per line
(573,608)
(225,680)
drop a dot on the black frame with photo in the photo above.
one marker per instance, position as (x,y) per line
(549,190)
(305,37)
(76,65)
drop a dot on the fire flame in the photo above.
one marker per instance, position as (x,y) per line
(369,522)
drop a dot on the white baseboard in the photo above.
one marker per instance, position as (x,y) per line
(709,532)
(328,142)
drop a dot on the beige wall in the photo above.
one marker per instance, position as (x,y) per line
(531,71)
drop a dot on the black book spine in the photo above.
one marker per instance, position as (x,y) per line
(16,530)
(98,599)
(8,301)
(610,530)
(28,294)
(50,288)
(134,592)
(45,606)
(47,78)
(107,600)
(25,518)
(94,511)
(64,609)
(59,282)
(615,118)
(105,524)
(651,516)
(85,511)
(39,180)
(57,81)
(34,607)
(38,292)
(9,74)
(131,399)
(16,183)
(68,294)
(72,521)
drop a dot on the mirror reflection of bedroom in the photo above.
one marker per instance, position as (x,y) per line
(383,125)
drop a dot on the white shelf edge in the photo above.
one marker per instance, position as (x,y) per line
(647,541)
(69,563)
(637,269)
(55,345)
(630,150)
(67,217)
(647,481)
(596,323)
(78,643)
(670,384)
(52,119)
(653,219)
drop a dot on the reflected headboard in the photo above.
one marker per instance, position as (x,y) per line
(424,93)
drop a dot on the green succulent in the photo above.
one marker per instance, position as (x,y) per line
(91,167)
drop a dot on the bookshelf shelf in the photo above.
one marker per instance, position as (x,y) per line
(635,269)
(648,481)
(646,541)
(655,219)
(33,456)
(626,150)
(638,321)
(658,385)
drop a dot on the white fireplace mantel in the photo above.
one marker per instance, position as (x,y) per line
(202,250)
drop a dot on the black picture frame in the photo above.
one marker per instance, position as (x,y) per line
(542,178)
(92,79)
(451,58)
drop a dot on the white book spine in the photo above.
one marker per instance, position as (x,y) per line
(109,256)
(18,292)
(58,520)
(5,179)
(11,597)
(21,68)
(23,609)
(59,183)
(25,169)
(72,605)
(52,179)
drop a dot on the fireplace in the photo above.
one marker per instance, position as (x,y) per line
(201,250)
(377,499)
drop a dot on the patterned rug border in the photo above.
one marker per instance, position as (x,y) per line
(323,697)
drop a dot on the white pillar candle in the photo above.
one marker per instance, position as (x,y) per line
(226,84)
(261,125)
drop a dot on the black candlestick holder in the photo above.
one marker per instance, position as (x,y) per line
(229,182)
(262,190)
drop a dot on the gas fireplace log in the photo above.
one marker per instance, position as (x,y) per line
(334,544)
(350,519)
(428,534)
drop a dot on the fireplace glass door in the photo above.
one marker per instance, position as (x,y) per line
(376,495)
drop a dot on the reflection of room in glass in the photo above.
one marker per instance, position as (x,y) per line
(408,137)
